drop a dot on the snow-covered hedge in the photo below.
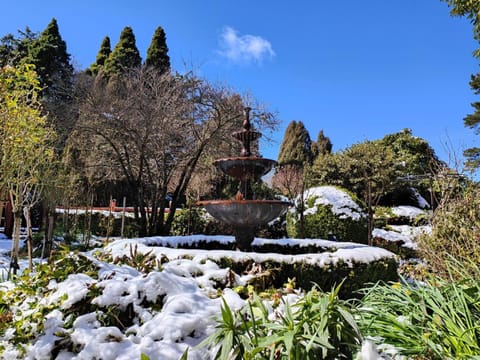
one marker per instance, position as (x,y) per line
(329,264)
(330,213)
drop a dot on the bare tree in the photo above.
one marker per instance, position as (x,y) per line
(151,130)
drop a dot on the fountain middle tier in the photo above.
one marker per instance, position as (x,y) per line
(245,168)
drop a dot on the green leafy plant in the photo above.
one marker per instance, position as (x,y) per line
(318,326)
(434,319)
(144,262)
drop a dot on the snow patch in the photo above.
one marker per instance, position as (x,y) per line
(342,204)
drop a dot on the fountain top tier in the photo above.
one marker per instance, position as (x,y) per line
(246,136)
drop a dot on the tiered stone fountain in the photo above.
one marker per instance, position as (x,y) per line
(245,213)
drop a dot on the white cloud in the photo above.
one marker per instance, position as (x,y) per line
(244,48)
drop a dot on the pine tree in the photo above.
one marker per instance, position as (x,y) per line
(157,53)
(296,146)
(125,55)
(470,9)
(322,146)
(473,122)
(102,56)
(14,49)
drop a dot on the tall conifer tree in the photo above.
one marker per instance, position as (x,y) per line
(322,146)
(157,53)
(102,56)
(125,55)
(52,61)
(296,145)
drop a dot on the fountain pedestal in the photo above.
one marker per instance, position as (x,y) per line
(244,213)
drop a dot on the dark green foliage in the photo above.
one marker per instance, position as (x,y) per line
(354,277)
(102,56)
(14,50)
(48,52)
(473,156)
(319,326)
(192,220)
(382,164)
(52,61)
(30,287)
(469,9)
(322,146)
(157,53)
(324,224)
(472,121)
(125,55)
(415,154)
(296,145)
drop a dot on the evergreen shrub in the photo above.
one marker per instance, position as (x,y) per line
(325,224)
(356,276)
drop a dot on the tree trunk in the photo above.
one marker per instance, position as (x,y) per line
(50,226)
(185,177)
(29,240)
(369,213)
(17,223)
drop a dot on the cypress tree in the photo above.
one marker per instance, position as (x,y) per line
(52,61)
(125,55)
(49,54)
(296,145)
(322,146)
(102,56)
(157,53)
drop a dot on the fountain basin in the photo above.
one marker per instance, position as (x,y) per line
(245,213)
(245,167)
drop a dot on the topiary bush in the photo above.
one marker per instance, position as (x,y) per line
(330,213)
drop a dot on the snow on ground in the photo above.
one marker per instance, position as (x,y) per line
(406,233)
(342,204)
(186,286)
(407,211)
(422,203)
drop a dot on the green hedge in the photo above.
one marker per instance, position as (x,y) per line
(324,224)
(275,274)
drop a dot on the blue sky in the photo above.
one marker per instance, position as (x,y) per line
(356,69)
